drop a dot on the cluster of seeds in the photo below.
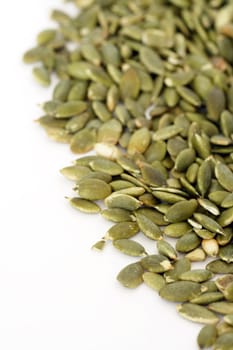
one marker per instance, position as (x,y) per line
(148,85)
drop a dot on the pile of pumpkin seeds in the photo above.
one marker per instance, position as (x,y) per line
(148,85)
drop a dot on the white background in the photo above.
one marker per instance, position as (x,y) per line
(55,292)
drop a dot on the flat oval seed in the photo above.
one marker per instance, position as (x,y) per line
(117,215)
(197,313)
(148,227)
(224,342)
(226,253)
(226,217)
(83,141)
(156,263)
(197,275)
(42,75)
(130,84)
(224,176)
(106,165)
(166,133)
(151,60)
(207,336)
(139,141)
(180,291)
(209,206)
(219,266)
(187,242)
(229,319)
(75,172)
(124,201)
(166,249)
(84,205)
(71,108)
(79,70)
(94,189)
(184,159)
(221,307)
(131,275)
(181,211)
(207,298)
(122,230)
(153,280)
(208,223)
(129,247)
(177,230)
(227,201)
(215,102)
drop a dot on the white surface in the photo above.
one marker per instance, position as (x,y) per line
(55,293)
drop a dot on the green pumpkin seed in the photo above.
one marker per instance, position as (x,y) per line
(83,141)
(139,141)
(153,280)
(129,247)
(219,266)
(93,189)
(208,223)
(117,215)
(122,230)
(106,165)
(151,60)
(221,307)
(166,249)
(177,230)
(187,242)
(42,76)
(180,291)
(197,313)
(148,227)
(85,205)
(224,176)
(224,342)
(181,211)
(226,253)
(227,201)
(229,319)
(166,133)
(131,275)
(207,336)
(130,84)
(216,102)
(156,263)
(185,158)
(123,201)
(197,275)
(207,298)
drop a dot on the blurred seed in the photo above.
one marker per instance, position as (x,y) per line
(207,336)
(156,263)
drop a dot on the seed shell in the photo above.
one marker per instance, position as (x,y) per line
(131,275)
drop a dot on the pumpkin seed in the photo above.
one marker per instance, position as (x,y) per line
(180,291)
(207,336)
(84,205)
(153,280)
(197,313)
(122,230)
(156,263)
(131,275)
(129,247)
(93,189)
